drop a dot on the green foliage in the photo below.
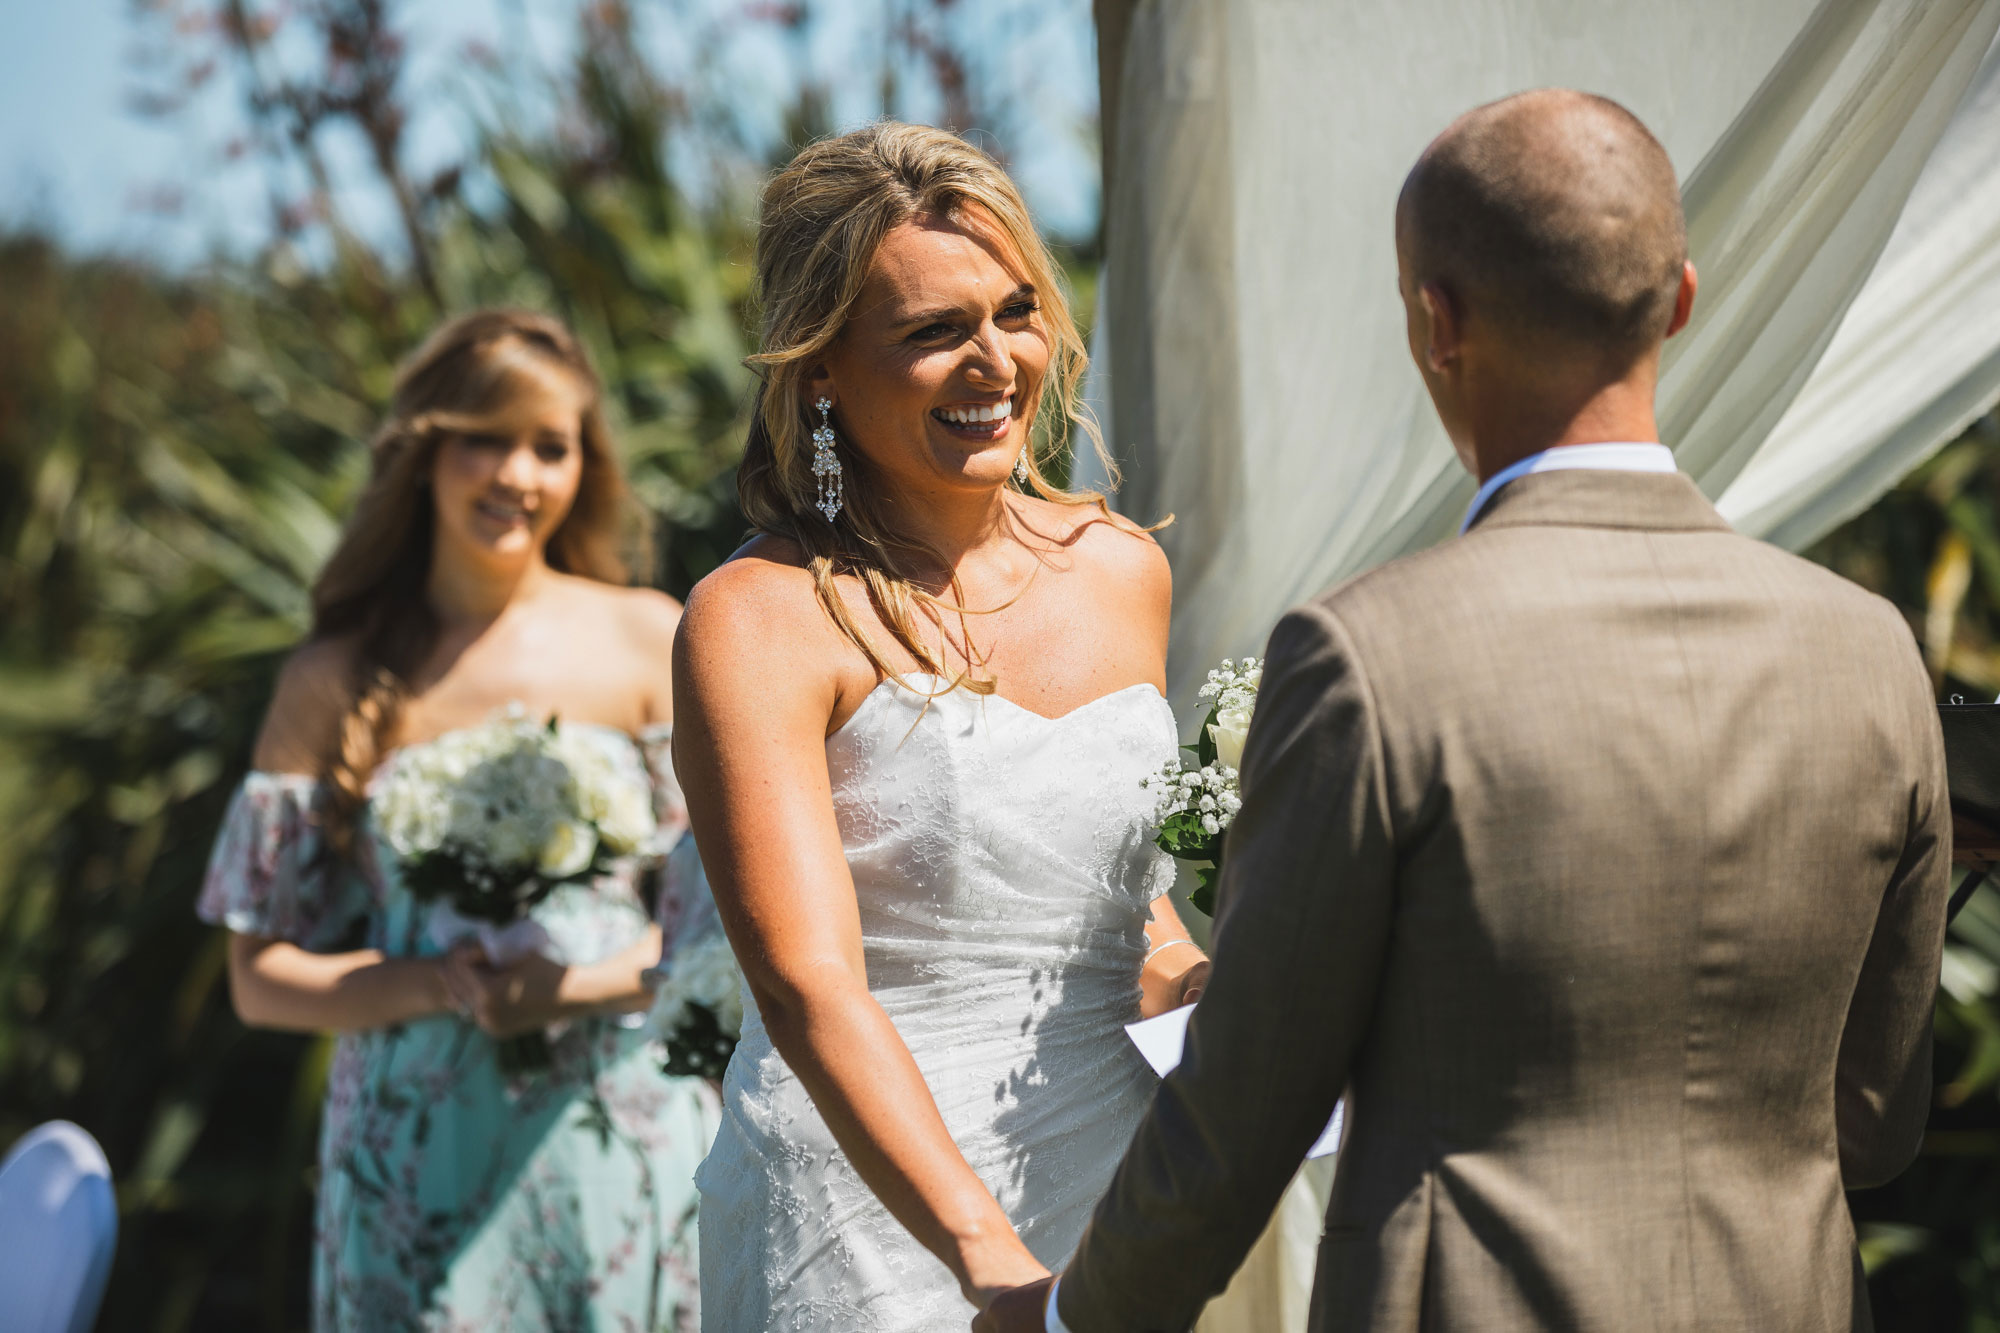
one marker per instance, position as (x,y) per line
(176,453)
(175,456)
(1931,1239)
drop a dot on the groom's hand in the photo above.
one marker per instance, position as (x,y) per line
(1017,1310)
(1192,982)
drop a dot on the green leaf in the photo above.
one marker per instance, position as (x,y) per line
(1202,898)
(1205,742)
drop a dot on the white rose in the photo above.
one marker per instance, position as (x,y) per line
(569,849)
(627,820)
(1231,725)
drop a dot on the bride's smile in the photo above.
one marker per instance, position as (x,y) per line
(937,375)
(981,422)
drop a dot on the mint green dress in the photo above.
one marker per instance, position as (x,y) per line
(453,1196)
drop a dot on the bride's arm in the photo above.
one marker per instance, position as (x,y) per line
(1136,580)
(754,690)
(1176,969)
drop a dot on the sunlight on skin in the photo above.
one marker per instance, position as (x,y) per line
(945,321)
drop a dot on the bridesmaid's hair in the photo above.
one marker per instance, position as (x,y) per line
(371,592)
(821,221)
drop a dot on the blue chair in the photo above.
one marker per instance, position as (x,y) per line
(58,1228)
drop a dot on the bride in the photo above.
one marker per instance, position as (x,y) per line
(915,713)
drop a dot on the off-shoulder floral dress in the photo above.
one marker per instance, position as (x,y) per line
(452,1196)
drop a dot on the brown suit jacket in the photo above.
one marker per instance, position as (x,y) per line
(1600,856)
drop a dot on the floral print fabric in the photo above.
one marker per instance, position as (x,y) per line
(452,1196)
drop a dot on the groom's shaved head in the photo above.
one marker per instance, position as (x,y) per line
(1550,212)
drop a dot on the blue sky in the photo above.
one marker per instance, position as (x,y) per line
(75,157)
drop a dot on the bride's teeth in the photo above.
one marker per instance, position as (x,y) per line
(978,415)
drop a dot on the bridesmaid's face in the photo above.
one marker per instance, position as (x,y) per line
(947,330)
(502,491)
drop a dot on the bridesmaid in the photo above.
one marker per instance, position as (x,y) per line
(480,567)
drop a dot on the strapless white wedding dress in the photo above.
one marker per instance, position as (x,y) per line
(1003,865)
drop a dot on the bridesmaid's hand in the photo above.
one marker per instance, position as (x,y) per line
(524,996)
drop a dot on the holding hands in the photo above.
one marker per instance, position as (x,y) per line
(1021,1310)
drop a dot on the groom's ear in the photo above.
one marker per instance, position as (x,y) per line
(1683,300)
(1445,327)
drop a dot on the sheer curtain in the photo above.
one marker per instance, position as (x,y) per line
(1259,385)
(1914,362)
(1841,167)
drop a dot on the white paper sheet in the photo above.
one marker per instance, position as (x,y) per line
(1160,1041)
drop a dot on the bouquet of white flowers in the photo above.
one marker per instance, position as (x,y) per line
(1197,801)
(698,1008)
(488,821)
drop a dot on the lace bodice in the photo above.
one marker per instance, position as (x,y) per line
(1003,867)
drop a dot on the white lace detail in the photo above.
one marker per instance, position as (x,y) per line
(1003,868)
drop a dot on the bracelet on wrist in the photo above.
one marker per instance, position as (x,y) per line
(1168,945)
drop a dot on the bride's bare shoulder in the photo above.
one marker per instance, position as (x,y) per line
(759,607)
(766,575)
(1108,543)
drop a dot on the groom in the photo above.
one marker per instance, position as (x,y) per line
(1598,856)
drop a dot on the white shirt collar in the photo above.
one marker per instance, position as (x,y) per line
(1621,456)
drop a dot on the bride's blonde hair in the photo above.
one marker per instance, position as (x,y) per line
(822,219)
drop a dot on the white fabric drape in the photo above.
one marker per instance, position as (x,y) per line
(1262,388)
(1916,360)
(1252,368)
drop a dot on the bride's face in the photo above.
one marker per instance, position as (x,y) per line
(936,377)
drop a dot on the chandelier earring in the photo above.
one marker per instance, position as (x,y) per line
(826,463)
(1021,466)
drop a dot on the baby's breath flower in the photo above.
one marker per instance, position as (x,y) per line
(1194,805)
